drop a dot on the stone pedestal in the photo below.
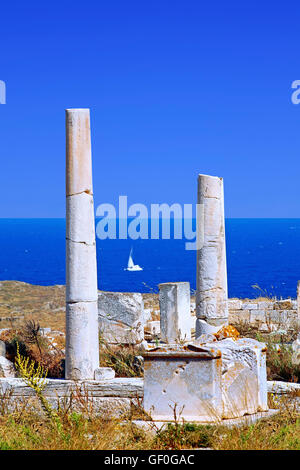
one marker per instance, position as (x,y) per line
(208,383)
(187,383)
(82,342)
(175,312)
(211,296)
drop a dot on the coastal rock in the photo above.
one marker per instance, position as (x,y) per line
(6,368)
(121,317)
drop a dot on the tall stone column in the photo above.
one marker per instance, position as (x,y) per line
(82,344)
(211,296)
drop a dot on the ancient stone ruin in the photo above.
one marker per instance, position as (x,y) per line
(207,378)
(82,345)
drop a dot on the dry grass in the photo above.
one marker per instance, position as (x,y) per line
(21,430)
(21,301)
(123,359)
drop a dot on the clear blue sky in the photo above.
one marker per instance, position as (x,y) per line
(175,88)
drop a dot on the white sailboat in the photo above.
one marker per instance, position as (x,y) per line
(131,266)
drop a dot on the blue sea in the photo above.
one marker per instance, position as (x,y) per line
(263,252)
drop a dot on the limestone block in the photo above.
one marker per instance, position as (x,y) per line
(175,312)
(249,306)
(104,373)
(189,379)
(236,316)
(106,407)
(252,354)
(109,407)
(123,387)
(278,316)
(2,348)
(81,272)
(121,317)
(115,332)
(82,351)
(234,304)
(281,388)
(6,368)
(257,316)
(240,391)
(265,305)
(80,223)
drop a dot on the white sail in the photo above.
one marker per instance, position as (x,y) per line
(131,266)
(130,261)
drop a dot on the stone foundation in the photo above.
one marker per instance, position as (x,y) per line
(111,398)
(108,398)
(267,315)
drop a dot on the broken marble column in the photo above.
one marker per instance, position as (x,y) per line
(175,312)
(211,295)
(82,343)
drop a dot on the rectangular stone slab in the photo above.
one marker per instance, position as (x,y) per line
(118,387)
(189,380)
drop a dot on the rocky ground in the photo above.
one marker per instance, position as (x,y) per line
(20,301)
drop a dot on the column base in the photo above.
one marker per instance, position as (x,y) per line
(209,326)
(104,373)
